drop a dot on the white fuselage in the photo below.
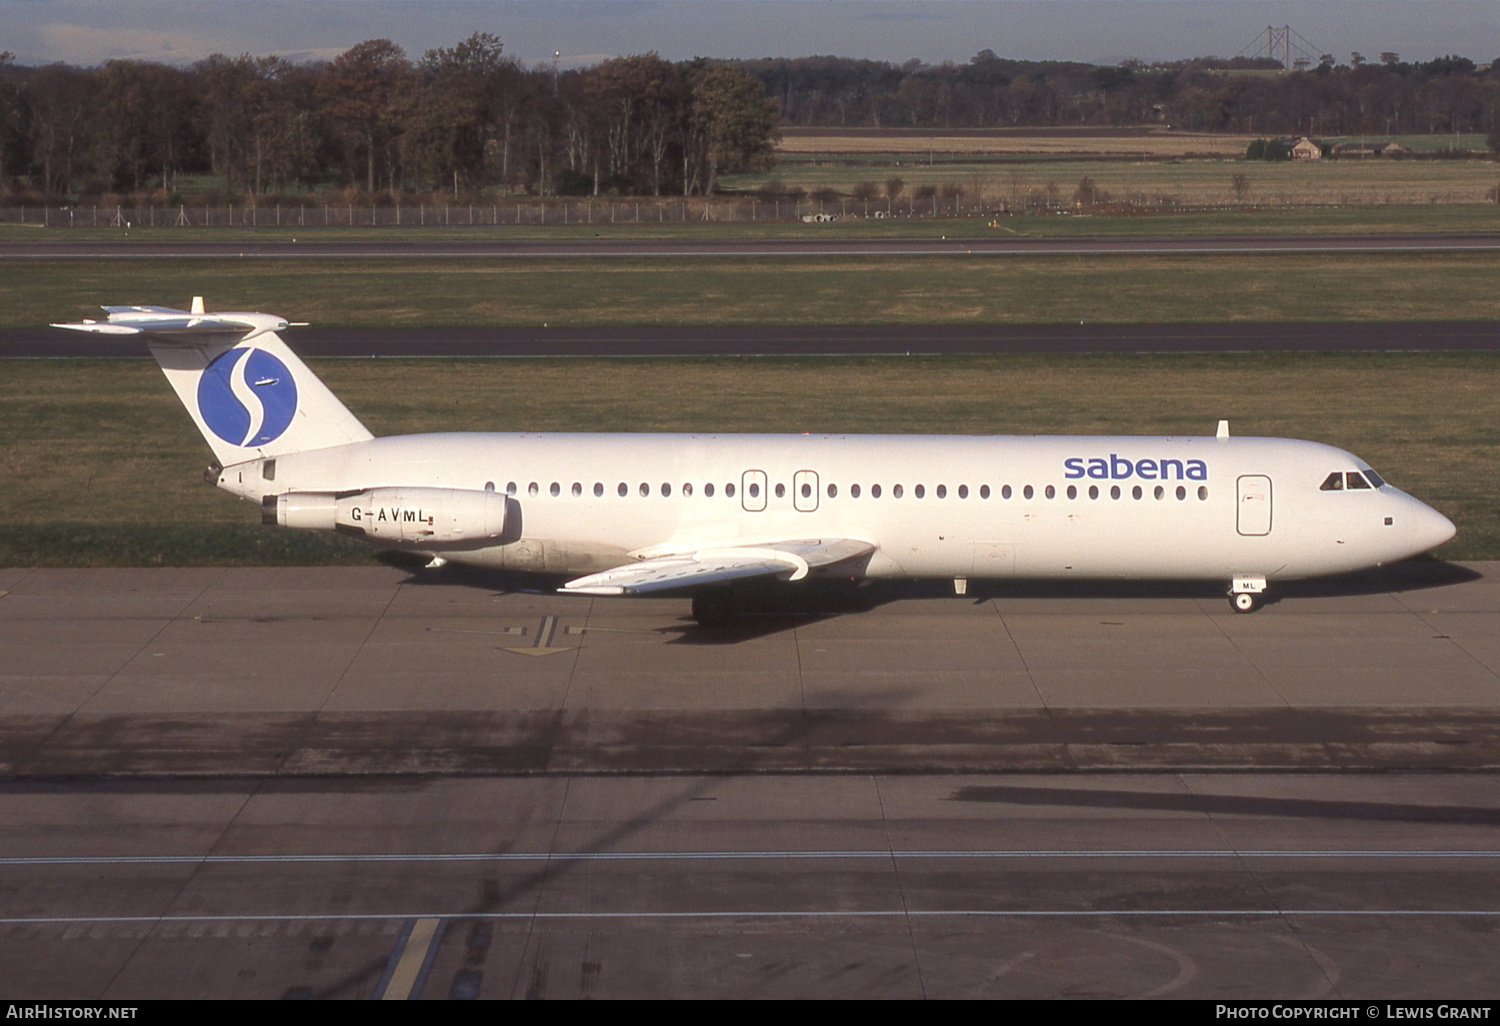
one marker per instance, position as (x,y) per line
(931,505)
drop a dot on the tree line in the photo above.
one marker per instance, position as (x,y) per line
(467,119)
(1252,95)
(457,121)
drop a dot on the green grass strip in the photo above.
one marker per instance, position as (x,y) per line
(102,466)
(781,290)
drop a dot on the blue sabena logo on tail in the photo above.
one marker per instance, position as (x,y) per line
(247,397)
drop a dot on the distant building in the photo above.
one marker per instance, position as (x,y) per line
(1388,150)
(1306,149)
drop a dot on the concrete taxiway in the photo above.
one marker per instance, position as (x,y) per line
(382,783)
(380,670)
(1187,885)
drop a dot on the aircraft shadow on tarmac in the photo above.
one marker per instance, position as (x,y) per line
(1226,804)
(766,609)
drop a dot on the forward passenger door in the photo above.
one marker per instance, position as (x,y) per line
(1255,505)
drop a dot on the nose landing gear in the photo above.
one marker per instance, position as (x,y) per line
(1246,591)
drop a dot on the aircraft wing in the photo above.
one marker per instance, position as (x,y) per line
(791,560)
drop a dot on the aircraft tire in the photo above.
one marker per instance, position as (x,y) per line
(1245,602)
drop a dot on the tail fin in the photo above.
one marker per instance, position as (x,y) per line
(249,394)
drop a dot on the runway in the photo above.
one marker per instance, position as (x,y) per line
(318,246)
(313,782)
(876,340)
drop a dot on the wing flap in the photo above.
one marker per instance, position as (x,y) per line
(790,560)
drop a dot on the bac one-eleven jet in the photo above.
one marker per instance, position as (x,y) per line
(633,514)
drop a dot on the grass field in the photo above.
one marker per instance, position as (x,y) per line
(1141,166)
(1153,143)
(1145,143)
(102,465)
(779,290)
(1154,182)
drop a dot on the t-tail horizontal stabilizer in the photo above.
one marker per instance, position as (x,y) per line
(250,395)
(167,324)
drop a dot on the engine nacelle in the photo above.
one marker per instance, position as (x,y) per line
(420,516)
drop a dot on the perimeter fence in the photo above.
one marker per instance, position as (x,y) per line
(727,210)
(556,212)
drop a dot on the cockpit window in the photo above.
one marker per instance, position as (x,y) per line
(1375,479)
(1357,480)
(1332,483)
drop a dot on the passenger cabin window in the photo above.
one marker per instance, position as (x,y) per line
(854,491)
(532,488)
(598,489)
(897,491)
(963,491)
(874,491)
(708,490)
(510,488)
(729,490)
(554,489)
(577,489)
(623,489)
(1332,483)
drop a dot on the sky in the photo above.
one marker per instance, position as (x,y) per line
(586,31)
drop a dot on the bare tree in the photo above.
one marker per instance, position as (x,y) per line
(367,92)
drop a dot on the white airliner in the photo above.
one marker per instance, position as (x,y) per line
(631,514)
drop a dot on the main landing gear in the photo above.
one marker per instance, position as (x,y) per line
(713,607)
(1247,593)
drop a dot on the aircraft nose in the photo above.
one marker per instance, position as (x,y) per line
(1429,528)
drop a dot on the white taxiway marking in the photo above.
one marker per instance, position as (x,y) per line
(628,856)
(893,913)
